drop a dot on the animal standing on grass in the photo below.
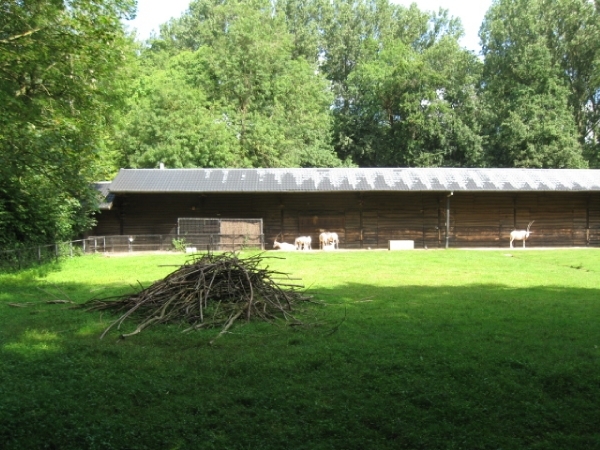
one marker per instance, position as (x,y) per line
(520,235)
(303,243)
(329,241)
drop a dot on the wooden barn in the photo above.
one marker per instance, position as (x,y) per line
(368,208)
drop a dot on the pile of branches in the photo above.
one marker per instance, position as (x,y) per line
(208,291)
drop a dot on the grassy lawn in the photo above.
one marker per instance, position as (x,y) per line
(434,349)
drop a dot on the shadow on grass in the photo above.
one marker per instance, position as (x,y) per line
(416,367)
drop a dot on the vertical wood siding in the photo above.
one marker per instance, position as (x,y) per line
(371,219)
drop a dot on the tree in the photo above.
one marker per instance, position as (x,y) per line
(403,86)
(573,33)
(254,104)
(57,60)
(528,120)
(414,109)
(170,120)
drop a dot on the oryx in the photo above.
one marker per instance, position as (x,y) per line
(520,235)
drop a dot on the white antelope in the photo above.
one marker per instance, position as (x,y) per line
(303,243)
(329,241)
(334,240)
(520,235)
(284,246)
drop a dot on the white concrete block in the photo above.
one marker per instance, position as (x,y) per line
(401,245)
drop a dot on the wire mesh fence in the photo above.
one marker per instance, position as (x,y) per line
(25,257)
(22,258)
(188,242)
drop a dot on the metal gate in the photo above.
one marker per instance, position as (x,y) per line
(221,234)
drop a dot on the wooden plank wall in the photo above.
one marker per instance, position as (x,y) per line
(480,219)
(371,219)
(593,220)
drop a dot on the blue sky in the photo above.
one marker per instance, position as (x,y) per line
(151,13)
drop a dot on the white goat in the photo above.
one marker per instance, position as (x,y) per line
(303,243)
(329,240)
(284,246)
(520,235)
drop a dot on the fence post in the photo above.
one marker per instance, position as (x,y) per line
(71,249)
(39,255)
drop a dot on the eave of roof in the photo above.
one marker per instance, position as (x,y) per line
(106,198)
(353,180)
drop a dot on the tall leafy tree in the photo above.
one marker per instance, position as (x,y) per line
(573,31)
(57,59)
(402,86)
(303,20)
(171,120)
(528,119)
(415,109)
(245,91)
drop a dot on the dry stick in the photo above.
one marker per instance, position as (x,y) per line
(208,290)
(121,319)
(216,309)
(251,295)
(226,327)
(151,320)
(201,310)
(51,294)
(200,290)
(337,327)
(139,328)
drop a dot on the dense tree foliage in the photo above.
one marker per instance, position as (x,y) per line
(529,120)
(240,99)
(57,66)
(285,83)
(410,108)
(382,85)
(282,83)
(573,32)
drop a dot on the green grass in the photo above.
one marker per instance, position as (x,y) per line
(411,350)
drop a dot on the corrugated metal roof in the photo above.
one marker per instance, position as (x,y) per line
(106,197)
(353,180)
